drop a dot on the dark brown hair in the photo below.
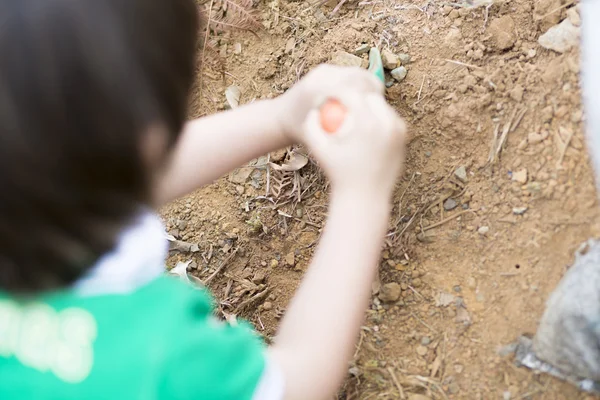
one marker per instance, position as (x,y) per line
(81,82)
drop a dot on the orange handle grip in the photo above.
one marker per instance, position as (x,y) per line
(332,116)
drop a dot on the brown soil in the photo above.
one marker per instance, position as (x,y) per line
(471,284)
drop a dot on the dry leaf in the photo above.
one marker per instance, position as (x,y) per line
(296,162)
(233,94)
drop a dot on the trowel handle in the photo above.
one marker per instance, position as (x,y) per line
(332,115)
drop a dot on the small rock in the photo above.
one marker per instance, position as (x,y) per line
(427,154)
(517,93)
(344,59)
(240,175)
(278,156)
(457,289)
(240,189)
(461,173)
(362,49)
(290,45)
(290,259)
(574,16)
(389,83)
(399,73)
(390,292)
(237,48)
(425,341)
(450,204)
(193,265)
(274,263)
(259,277)
(561,37)
(534,137)
(181,224)
(404,58)
(389,59)
(502,31)
(267,306)
(454,14)
(483,230)
(453,388)
(519,210)
(233,95)
(520,176)
(421,350)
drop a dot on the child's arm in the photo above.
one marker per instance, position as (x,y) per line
(212,146)
(317,336)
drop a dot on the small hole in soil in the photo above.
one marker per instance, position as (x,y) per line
(517,266)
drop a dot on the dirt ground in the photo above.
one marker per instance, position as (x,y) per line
(496,196)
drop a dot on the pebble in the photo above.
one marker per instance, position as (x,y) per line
(534,137)
(561,37)
(453,388)
(425,340)
(193,265)
(259,277)
(421,350)
(267,306)
(240,175)
(457,289)
(450,204)
(240,189)
(520,176)
(519,210)
(404,58)
(237,48)
(483,230)
(390,292)
(290,259)
(389,59)
(461,173)
(502,31)
(344,59)
(274,263)
(517,93)
(574,16)
(362,49)
(181,224)
(399,73)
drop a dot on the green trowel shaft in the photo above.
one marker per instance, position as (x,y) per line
(375,64)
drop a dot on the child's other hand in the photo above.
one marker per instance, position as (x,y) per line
(365,155)
(322,82)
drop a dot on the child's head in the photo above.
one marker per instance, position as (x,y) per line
(84,86)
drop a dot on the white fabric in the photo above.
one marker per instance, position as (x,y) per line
(138,258)
(272,384)
(590,47)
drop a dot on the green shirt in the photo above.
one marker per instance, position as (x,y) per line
(157,342)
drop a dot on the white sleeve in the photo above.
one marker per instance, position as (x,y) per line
(271,384)
(590,15)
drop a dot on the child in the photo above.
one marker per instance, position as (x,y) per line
(93,95)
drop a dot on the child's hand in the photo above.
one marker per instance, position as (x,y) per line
(366,153)
(322,82)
